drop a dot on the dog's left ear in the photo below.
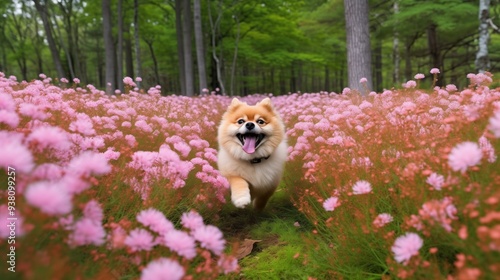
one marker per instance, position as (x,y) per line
(266,103)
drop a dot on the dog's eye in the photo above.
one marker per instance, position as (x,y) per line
(241,121)
(260,121)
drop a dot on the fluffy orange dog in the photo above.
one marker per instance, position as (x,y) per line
(252,151)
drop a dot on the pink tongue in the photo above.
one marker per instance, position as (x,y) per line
(249,146)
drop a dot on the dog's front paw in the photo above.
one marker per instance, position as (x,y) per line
(241,201)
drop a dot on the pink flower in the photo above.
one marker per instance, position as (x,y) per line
(129,82)
(138,79)
(451,88)
(330,203)
(86,232)
(50,198)
(464,155)
(76,80)
(64,80)
(382,219)
(419,76)
(82,125)
(406,246)
(488,149)
(155,220)
(435,71)
(32,111)
(494,124)
(163,269)
(130,140)
(191,220)
(361,187)
(5,230)
(211,238)
(181,243)
(435,180)
(139,239)
(89,163)
(15,155)
(42,76)
(410,84)
(228,264)
(93,211)
(49,137)
(9,118)
(363,80)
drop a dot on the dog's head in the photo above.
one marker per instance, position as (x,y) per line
(249,132)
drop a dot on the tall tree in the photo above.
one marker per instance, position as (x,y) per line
(44,15)
(200,49)
(482,59)
(358,43)
(187,47)
(119,51)
(108,47)
(138,62)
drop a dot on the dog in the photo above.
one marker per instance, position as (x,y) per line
(252,151)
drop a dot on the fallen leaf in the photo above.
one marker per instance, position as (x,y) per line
(246,248)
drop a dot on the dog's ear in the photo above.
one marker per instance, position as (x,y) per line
(266,103)
(235,103)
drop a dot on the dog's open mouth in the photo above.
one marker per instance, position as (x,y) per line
(250,141)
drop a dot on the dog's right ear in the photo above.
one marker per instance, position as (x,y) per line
(235,103)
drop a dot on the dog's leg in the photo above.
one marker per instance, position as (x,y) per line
(240,192)
(260,200)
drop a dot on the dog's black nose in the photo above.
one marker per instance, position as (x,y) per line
(250,125)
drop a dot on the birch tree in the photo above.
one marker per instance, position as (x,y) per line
(482,59)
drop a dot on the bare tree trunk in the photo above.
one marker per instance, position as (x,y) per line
(235,55)
(187,38)
(155,61)
(119,54)
(138,71)
(109,79)
(482,59)
(200,50)
(215,29)
(378,65)
(434,51)
(395,50)
(129,59)
(42,10)
(358,43)
(180,46)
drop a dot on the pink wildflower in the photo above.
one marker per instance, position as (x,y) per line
(410,84)
(382,219)
(155,220)
(435,180)
(191,220)
(50,198)
(9,118)
(361,187)
(163,269)
(419,76)
(33,111)
(451,88)
(138,79)
(139,239)
(87,231)
(89,163)
(488,149)
(228,264)
(494,124)
(181,243)
(363,80)
(93,211)
(211,238)
(76,80)
(129,82)
(64,80)
(464,155)
(406,246)
(435,71)
(15,155)
(330,203)
(49,137)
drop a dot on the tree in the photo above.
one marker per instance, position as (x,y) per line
(482,59)
(109,47)
(187,47)
(138,62)
(358,43)
(42,10)
(200,49)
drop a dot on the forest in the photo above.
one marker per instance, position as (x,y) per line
(238,47)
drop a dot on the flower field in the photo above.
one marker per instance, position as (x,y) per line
(400,184)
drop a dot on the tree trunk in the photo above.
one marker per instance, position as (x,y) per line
(482,59)
(435,51)
(109,79)
(215,29)
(378,65)
(200,49)
(42,10)
(235,55)
(408,70)
(119,51)
(395,50)
(138,71)
(187,46)
(155,61)
(129,58)
(358,43)
(327,78)
(180,45)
